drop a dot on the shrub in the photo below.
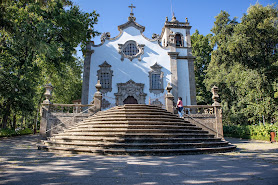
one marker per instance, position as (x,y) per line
(260,132)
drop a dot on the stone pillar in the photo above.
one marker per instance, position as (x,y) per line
(192,82)
(86,74)
(45,111)
(169,99)
(191,69)
(174,73)
(97,97)
(218,112)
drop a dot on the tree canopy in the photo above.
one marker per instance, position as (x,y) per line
(244,65)
(37,46)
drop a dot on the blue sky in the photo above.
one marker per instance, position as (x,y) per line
(152,13)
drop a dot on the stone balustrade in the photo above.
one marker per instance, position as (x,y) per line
(68,108)
(57,117)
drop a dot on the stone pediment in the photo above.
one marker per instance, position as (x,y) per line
(131,22)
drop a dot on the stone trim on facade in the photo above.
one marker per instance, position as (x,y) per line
(105,68)
(156,69)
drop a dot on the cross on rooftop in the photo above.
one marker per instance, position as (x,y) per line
(131,7)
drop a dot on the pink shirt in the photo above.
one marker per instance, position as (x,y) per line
(179,103)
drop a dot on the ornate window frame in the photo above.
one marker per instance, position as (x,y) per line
(139,47)
(156,70)
(105,68)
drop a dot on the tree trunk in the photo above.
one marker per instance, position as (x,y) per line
(14,122)
(6,116)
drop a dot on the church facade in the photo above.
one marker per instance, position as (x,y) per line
(135,69)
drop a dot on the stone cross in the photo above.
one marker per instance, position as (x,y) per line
(131,7)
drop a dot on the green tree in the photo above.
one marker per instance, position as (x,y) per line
(244,64)
(37,46)
(202,51)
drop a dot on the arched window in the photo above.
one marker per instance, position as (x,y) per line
(178,40)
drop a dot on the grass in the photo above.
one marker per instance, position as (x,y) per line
(10,132)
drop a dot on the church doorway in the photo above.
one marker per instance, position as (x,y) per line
(130,100)
(130,93)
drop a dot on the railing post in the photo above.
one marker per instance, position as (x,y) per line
(45,111)
(97,98)
(217,112)
(169,99)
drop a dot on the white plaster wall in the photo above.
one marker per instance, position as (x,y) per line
(126,70)
(165,37)
(182,51)
(183,81)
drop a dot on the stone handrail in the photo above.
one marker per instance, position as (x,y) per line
(199,109)
(67,108)
(208,117)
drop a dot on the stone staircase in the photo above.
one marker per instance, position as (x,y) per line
(135,129)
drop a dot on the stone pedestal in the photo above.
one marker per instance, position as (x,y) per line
(169,99)
(217,112)
(97,101)
(45,111)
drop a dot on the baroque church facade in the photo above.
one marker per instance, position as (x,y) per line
(135,69)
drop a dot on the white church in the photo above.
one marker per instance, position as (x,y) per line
(134,69)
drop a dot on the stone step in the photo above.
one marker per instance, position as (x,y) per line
(136,119)
(117,151)
(103,145)
(137,126)
(138,135)
(131,140)
(139,111)
(130,130)
(136,123)
(128,116)
(136,129)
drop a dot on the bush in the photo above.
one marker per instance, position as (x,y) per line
(259,132)
(9,132)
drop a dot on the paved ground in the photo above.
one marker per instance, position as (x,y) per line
(252,163)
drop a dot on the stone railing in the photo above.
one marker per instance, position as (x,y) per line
(57,117)
(68,108)
(208,117)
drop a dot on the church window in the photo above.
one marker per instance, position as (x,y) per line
(178,39)
(156,82)
(156,79)
(105,76)
(131,50)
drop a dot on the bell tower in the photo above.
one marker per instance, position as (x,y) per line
(176,37)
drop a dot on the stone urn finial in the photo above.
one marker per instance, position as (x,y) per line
(215,96)
(186,20)
(169,88)
(98,86)
(48,93)
(166,19)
